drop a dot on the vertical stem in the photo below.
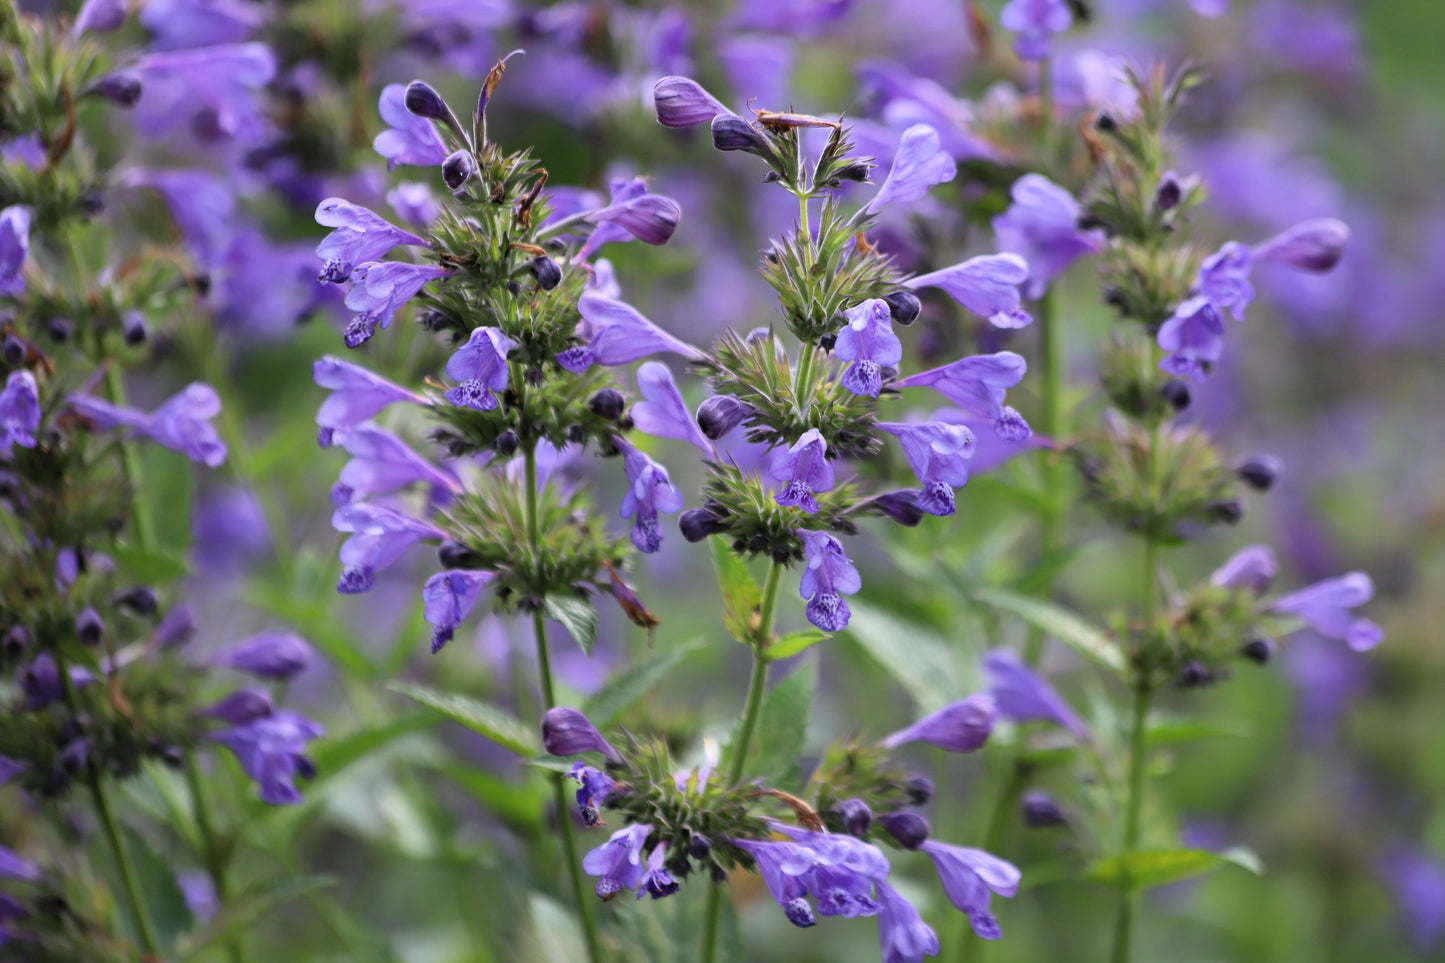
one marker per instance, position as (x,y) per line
(142,919)
(130,467)
(1124,920)
(215,860)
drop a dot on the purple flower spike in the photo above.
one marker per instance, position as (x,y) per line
(1315,245)
(1042,227)
(481,367)
(14,247)
(657,882)
(1024,696)
(360,236)
(664,414)
(904,936)
(827,577)
(567,732)
(379,289)
(1193,336)
(268,655)
(380,536)
(682,102)
(450,596)
(1224,279)
(978,384)
(968,876)
(272,751)
(409,139)
(19,412)
(803,470)
(594,786)
(1035,22)
(1253,568)
(938,454)
(381,462)
(960,727)
(869,342)
(618,334)
(1325,607)
(649,491)
(15,867)
(987,286)
(357,394)
(919,164)
(618,862)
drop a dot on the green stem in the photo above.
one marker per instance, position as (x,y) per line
(211,850)
(1124,919)
(138,913)
(130,467)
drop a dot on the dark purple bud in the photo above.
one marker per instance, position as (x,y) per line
(1106,123)
(1195,675)
(731,132)
(16,641)
(122,87)
(546,271)
(177,627)
(1040,811)
(242,706)
(458,168)
(699,847)
(904,306)
(74,757)
(901,506)
(856,171)
(456,555)
(908,829)
(1226,511)
(607,403)
(14,351)
(60,330)
(269,655)
(506,443)
(697,524)
(1176,393)
(141,600)
(720,414)
(1257,650)
(567,732)
(89,627)
(423,100)
(920,790)
(855,816)
(133,327)
(1260,472)
(1169,192)
(1315,245)
(92,203)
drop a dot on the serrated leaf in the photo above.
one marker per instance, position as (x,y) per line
(793,643)
(578,616)
(742,599)
(481,717)
(1069,628)
(241,912)
(912,654)
(149,567)
(1147,869)
(782,725)
(608,704)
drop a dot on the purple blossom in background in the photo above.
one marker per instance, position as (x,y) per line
(1417,879)
(594,786)
(1224,279)
(978,384)
(868,341)
(1042,227)
(449,597)
(618,862)
(1315,245)
(828,575)
(908,100)
(1253,567)
(1025,696)
(272,751)
(1326,678)
(101,16)
(242,706)
(379,289)
(1325,607)
(19,412)
(789,17)
(40,682)
(229,528)
(268,655)
(356,395)
(919,164)
(803,470)
(987,286)
(649,491)
(617,334)
(381,462)
(904,937)
(1035,22)
(381,535)
(199,893)
(938,455)
(359,236)
(758,67)
(414,202)
(408,139)
(1193,338)
(968,876)
(14,247)
(210,91)
(180,24)
(633,212)
(13,866)
(663,413)
(181,423)
(568,732)
(959,727)
(481,367)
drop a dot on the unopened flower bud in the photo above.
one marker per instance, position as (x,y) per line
(1106,123)
(1040,811)
(456,555)
(1176,393)
(901,506)
(506,443)
(1257,650)
(904,306)
(242,706)
(1195,675)
(1260,472)
(697,524)
(920,790)
(60,330)
(908,829)
(177,627)
(141,600)
(269,655)
(607,403)
(567,732)
(855,816)
(720,414)
(14,351)
(133,327)
(856,171)
(458,168)
(15,642)
(122,87)
(423,100)
(1226,511)
(699,847)
(1314,245)
(731,132)
(546,271)
(1169,192)
(89,627)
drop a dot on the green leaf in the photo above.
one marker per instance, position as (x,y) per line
(793,643)
(1149,868)
(915,656)
(551,934)
(1173,732)
(742,599)
(241,912)
(1057,621)
(496,724)
(150,567)
(167,487)
(521,805)
(609,704)
(578,616)
(783,724)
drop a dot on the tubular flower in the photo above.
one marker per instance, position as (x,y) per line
(803,470)
(977,384)
(827,576)
(869,342)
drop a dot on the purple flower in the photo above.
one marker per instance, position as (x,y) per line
(40,681)
(568,732)
(1325,607)
(210,91)
(803,470)
(360,236)
(381,462)
(414,202)
(649,491)
(1193,336)
(1418,881)
(594,786)
(1035,22)
(15,867)
(616,333)
(1023,695)
(450,597)
(1042,227)
(14,247)
(357,394)
(959,727)
(198,891)
(9,769)
(618,862)
(904,936)
(967,876)
(664,414)
(919,164)
(651,218)
(828,575)
(242,706)
(1224,279)
(1253,567)
(869,342)
(481,367)
(938,454)
(772,859)
(380,536)
(179,24)
(839,870)
(272,751)
(657,882)
(181,423)
(408,139)
(977,384)
(1314,245)
(269,655)
(19,412)
(681,102)
(379,288)
(987,286)
(101,16)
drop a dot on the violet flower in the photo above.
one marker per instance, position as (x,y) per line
(1024,696)
(1193,336)
(803,470)
(408,139)
(868,341)
(272,751)
(1224,279)
(657,882)
(919,164)
(594,786)
(663,413)
(968,875)
(242,707)
(360,235)
(379,289)
(904,937)
(977,384)
(101,16)
(357,394)
(986,285)
(1325,607)
(481,367)
(381,462)
(381,535)
(962,726)
(649,491)
(268,655)
(1042,227)
(210,91)
(449,597)
(1253,567)
(40,681)
(14,866)
(1035,22)
(632,212)
(181,423)
(618,862)
(682,102)
(182,24)
(1315,245)
(14,247)
(19,412)
(616,333)
(1417,879)
(938,454)
(828,575)
(568,732)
